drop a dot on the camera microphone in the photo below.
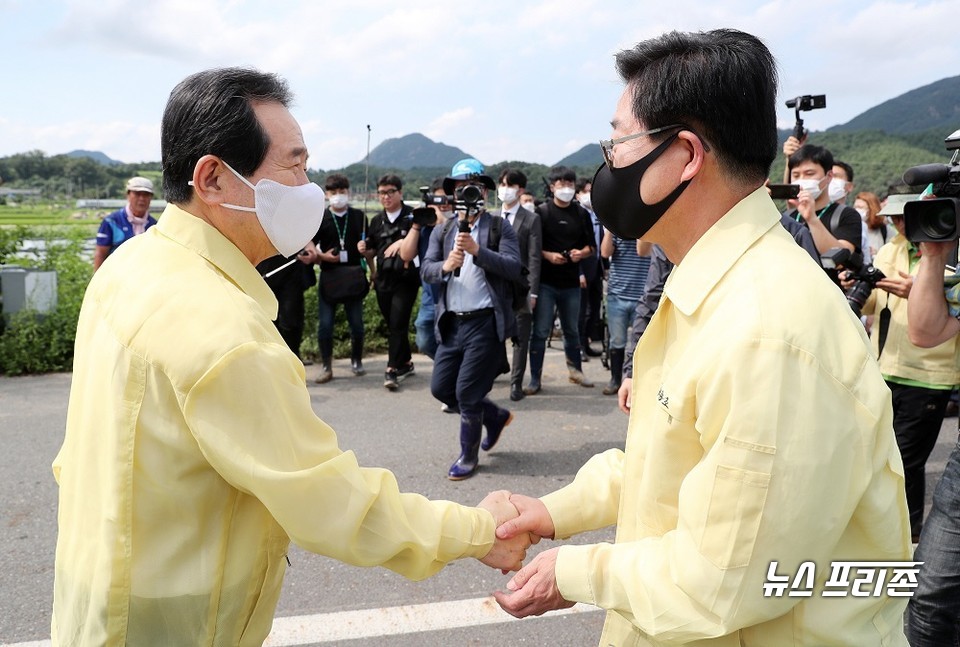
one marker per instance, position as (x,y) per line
(463,227)
(926,174)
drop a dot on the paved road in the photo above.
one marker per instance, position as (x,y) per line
(553,434)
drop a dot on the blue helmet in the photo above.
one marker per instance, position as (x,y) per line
(467,169)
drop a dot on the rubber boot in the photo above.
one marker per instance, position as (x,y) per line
(326,361)
(494,419)
(536,370)
(465,466)
(616,371)
(356,356)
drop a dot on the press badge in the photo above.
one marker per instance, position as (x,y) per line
(416,261)
(343,256)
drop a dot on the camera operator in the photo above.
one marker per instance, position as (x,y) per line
(935,606)
(473,260)
(414,246)
(831,224)
(920,379)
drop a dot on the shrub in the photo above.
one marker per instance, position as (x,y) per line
(34,343)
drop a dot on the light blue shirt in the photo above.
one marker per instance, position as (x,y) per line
(468,292)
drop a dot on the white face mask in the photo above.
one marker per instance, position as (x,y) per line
(811,186)
(837,189)
(863,214)
(507,194)
(585,201)
(289,215)
(564,194)
(338,201)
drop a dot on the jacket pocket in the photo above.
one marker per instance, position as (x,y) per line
(733,516)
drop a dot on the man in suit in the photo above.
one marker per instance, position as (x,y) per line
(526,224)
(473,259)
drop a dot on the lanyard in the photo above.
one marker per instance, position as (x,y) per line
(342,234)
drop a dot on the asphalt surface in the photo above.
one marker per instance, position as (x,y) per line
(553,434)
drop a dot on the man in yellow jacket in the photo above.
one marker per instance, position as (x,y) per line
(760,459)
(192,456)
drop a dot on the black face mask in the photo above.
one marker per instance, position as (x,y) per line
(616,196)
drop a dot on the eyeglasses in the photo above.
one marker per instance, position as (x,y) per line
(606,145)
(387,193)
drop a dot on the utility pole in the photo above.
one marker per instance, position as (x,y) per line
(366,175)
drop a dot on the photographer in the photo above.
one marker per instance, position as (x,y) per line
(935,606)
(396,282)
(414,248)
(831,225)
(473,260)
(920,379)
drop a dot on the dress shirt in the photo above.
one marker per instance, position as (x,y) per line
(761,429)
(192,457)
(468,291)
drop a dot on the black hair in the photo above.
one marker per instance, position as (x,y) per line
(390,180)
(211,113)
(810,153)
(336,181)
(436,185)
(561,173)
(582,184)
(846,168)
(722,84)
(514,177)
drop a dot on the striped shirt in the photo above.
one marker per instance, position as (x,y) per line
(628,270)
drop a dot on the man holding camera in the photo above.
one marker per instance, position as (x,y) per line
(473,259)
(831,224)
(934,321)
(567,240)
(920,379)
(396,281)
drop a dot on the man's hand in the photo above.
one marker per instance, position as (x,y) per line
(936,251)
(555,257)
(533,518)
(466,242)
(534,589)
(506,554)
(454,260)
(792,145)
(576,255)
(393,249)
(805,205)
(362,246)
(625,394)
(533,303)
(308,255)
(899,287)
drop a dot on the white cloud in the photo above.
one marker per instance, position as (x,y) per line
(448,122)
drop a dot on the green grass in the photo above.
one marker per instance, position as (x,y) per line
(30,215)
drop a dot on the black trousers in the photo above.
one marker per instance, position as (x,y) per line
(590,298)
(917,416)
(396,306)
(290,313)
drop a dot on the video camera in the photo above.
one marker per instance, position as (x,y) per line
(806,102)
(937,219)
(866,275)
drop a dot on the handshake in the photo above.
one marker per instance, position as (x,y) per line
(523,521)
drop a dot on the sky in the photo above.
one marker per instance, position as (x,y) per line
(529,80)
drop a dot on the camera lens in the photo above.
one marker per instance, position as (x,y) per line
(939,221)
(469,193)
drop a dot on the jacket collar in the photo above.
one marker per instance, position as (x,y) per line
(201,238)
(719,249)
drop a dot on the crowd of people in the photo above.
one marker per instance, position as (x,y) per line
(756,443)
